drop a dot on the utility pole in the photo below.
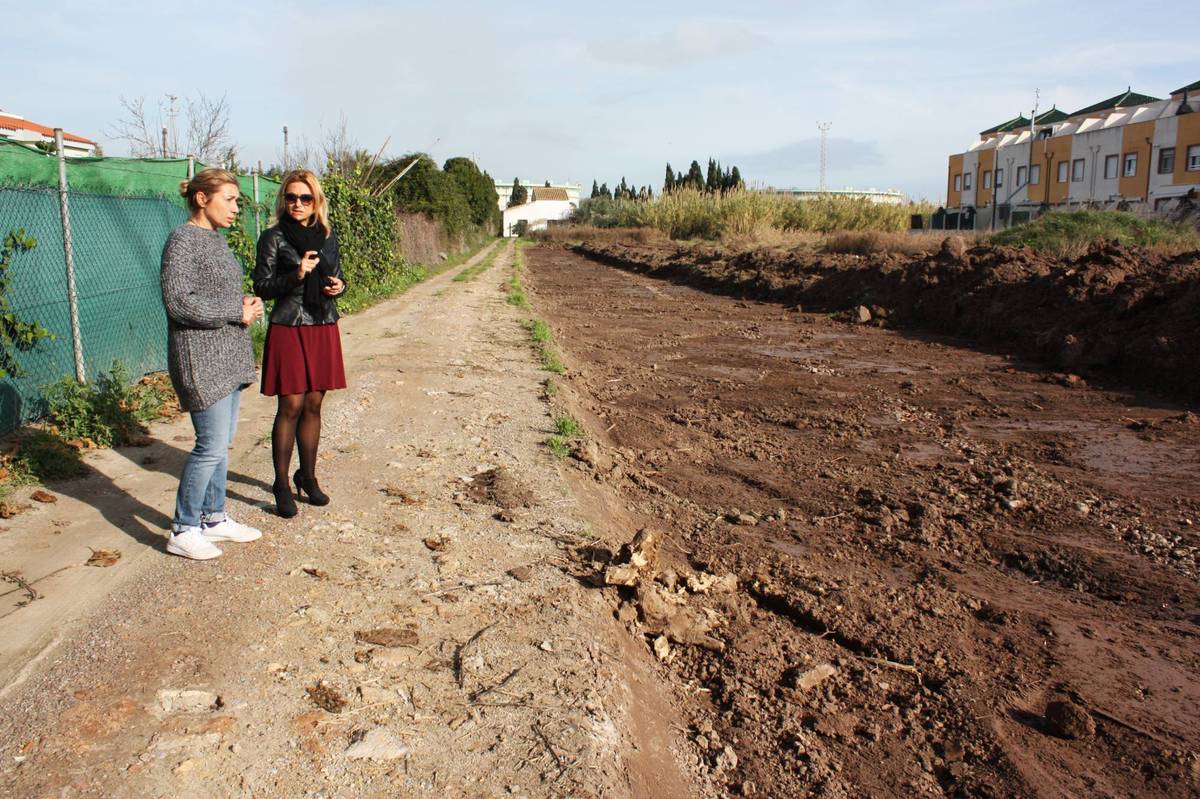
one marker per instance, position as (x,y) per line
(171,114)
(285,145)
(824,128)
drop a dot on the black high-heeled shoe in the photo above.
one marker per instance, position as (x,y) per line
(285,503)
(308,485)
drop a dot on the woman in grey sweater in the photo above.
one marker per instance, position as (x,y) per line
(209,357)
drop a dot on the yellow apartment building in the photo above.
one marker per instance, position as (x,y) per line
(1129,151)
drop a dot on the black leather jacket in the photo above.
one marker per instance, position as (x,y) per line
(275,278)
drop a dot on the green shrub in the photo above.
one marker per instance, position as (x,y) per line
(109,411)
(567,433)
(1069,234)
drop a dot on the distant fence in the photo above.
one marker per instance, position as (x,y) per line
(121,211)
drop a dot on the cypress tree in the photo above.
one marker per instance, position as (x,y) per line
(519,194)
(735,180)
(669,181)
(595,190)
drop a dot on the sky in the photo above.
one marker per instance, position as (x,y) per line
(566,91)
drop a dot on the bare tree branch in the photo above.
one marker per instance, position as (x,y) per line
(135,129)
(208,128)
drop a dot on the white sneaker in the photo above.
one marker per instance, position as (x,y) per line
(191,543)
(227,529)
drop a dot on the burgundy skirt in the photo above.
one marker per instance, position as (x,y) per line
(301,358)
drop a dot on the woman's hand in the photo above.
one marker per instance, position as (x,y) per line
(308,263)
(334,288)
(252,308)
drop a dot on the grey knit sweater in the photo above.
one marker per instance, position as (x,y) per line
(209,354)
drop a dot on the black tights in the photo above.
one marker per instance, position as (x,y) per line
(298,417)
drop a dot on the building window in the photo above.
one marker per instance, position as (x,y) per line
(1035,174)
(1110,166)
(958,182)
(987,178)
(1077,170)
(1130,164)
(999,178)
(1193,162)
(966,180)
(1021,176)
(1062,171)
(1166,160)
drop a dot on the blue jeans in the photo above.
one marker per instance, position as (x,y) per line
(202,484)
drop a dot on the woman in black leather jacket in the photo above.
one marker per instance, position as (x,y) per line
(298,267)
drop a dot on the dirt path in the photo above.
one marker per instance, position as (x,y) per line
(425,621)
(931,545)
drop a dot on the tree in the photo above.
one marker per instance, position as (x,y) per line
(478,189)
(695,178)
(519,194)
(622,191)
(735,180)
(428,190)
(712,180)
(595,190)
(604,192)
(206,130)
(669,180)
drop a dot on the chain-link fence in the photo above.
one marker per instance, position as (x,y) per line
(117,243)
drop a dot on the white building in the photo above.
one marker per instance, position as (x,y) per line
(504,190)
(1128,151)
(546,205)
(18,129)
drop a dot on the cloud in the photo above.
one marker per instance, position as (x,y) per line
(690,42)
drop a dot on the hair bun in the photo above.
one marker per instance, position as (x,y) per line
(183,188)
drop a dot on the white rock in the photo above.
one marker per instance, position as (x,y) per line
(378,744)
(171,700)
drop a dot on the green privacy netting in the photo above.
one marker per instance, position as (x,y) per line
(121,213)
(126,177)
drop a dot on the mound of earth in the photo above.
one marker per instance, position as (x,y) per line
(1116,311)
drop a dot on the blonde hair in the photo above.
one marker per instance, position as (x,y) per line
(320,207)
(207,181)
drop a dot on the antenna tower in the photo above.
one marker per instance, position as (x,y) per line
(824,128)
(171,114)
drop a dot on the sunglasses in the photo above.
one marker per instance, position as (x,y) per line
(303,199)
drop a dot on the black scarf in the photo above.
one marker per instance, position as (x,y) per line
(304,238)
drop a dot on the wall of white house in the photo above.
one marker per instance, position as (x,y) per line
(1093,147)
(1012,158)
(970,167)
(536,214)
(1165,133)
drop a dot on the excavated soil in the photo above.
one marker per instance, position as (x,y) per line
(957,574)
(1116,311)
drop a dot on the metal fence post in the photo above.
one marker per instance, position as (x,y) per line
(69,253)
(191,166)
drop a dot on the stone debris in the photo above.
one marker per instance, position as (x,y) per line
(377,744)
(43,496)
(522,574)
(808,679)
(659,598)
(862,314)
(1066,719)
(187,700)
